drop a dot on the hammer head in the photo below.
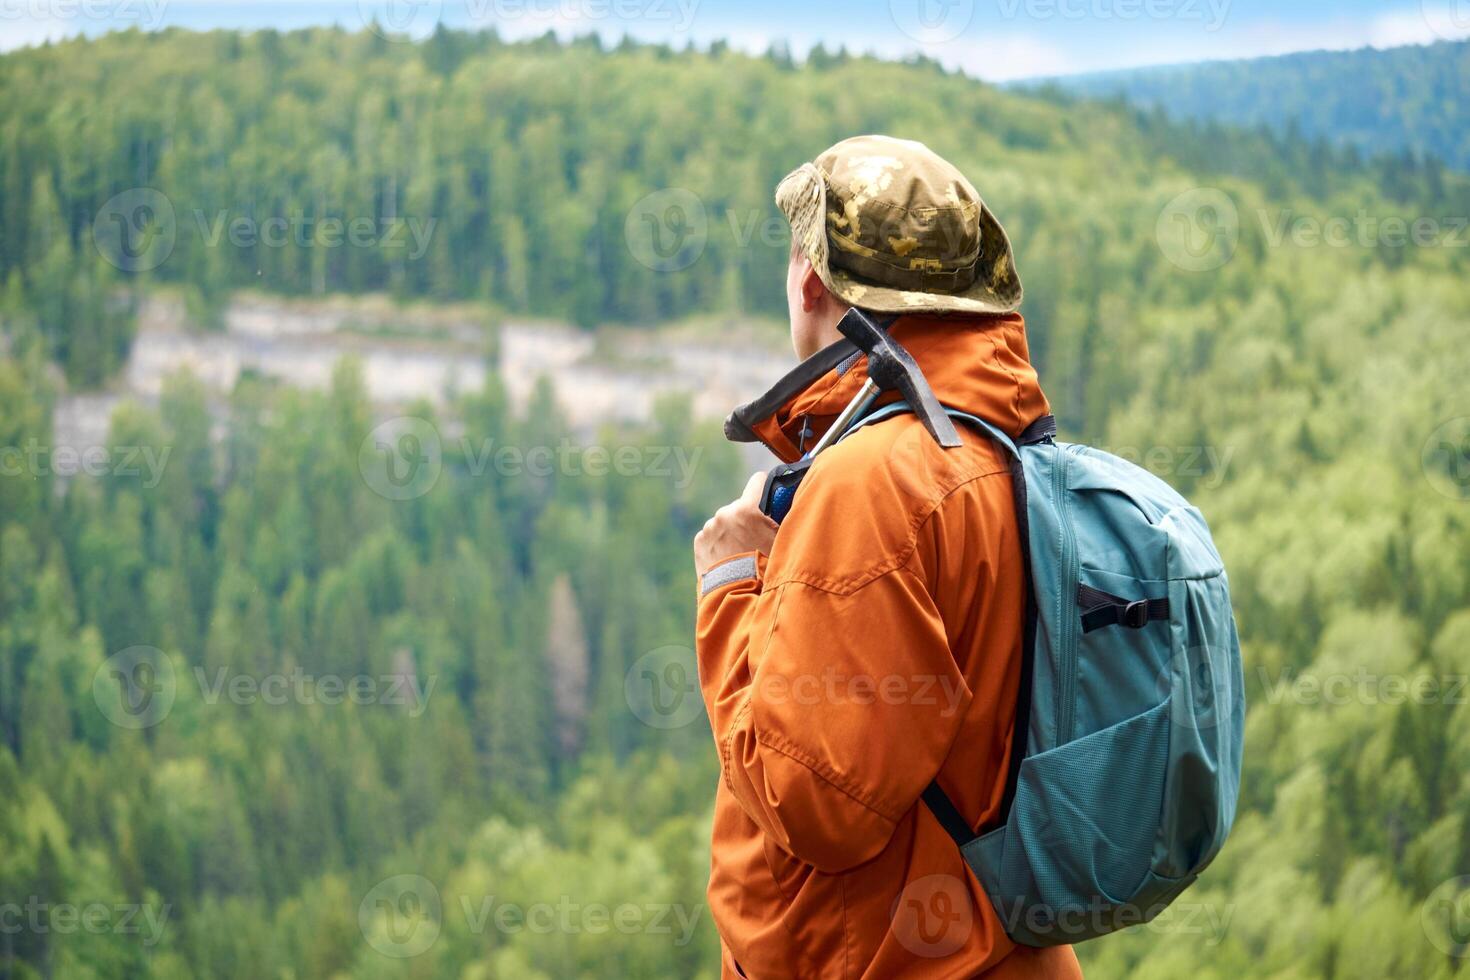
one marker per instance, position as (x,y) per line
(893,369)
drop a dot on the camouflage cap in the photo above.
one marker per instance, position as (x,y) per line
(893,227)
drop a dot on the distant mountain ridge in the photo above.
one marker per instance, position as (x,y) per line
(1414,98)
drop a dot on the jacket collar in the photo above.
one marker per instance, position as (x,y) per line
(979,365)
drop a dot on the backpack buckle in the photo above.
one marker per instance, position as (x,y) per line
(1135,614)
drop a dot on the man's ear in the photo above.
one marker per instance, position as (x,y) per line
(813,290)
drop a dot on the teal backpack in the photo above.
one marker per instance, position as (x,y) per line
(1125,767)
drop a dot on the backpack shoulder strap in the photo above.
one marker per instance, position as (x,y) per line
(1042,430)
(994,432)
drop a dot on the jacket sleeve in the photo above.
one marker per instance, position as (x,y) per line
(832,692)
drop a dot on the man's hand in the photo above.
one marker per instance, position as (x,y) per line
(736,528)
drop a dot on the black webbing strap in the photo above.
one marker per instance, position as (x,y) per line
(934,797)
(1042,430)
(1100,609)
(947,814)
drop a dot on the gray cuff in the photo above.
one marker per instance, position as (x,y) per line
(733,570)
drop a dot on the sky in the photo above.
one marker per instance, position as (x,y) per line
(997,40)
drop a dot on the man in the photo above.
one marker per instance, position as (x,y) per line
(872,643)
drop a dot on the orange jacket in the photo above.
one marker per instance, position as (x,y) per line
(876,647)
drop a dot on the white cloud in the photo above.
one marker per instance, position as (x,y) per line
(1004,57)
(24,23)
(993,57)
(27,31)
(1434,20)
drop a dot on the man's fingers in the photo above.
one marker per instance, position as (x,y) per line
(737,527)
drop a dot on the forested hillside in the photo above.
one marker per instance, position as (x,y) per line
(527,738)
(1413,99)
(567,181)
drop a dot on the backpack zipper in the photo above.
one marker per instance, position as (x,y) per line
(1067,649)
